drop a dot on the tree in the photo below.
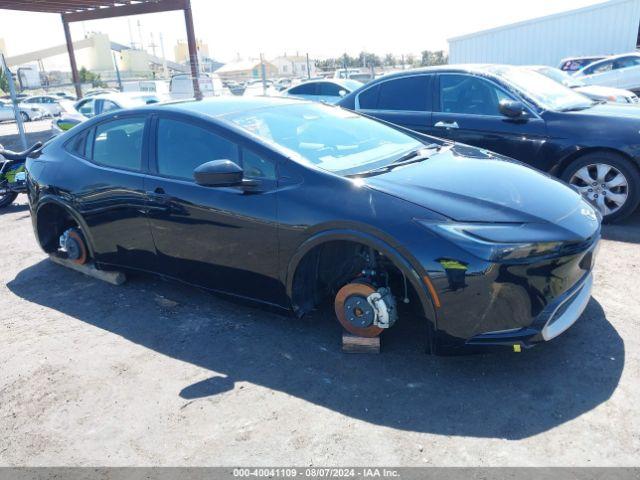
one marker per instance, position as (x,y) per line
(390,60)
(4,82)
(410,59)
(366,59)
(89,77)
(433,58)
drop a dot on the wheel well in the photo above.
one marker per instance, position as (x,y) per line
(586,151)
(51,221)
(329,266)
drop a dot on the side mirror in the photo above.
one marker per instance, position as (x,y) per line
(218,173)
(511,108)
(342,92)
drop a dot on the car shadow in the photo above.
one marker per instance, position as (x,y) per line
(510,396)
(15,208)
(627,230)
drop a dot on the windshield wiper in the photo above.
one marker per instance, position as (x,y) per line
(581,107)
(414,156)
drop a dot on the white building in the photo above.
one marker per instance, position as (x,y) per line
(602,29)
(293,66)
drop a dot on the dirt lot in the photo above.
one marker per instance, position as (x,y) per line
(154,373)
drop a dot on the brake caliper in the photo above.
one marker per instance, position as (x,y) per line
(384,306)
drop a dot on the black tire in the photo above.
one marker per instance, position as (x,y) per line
(25,117)
(7,199)
(624,166)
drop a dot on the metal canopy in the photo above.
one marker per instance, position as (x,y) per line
(82,10)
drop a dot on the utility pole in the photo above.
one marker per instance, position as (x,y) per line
(164,58)
(263,71)
(14,100)
(308,67)
(140,35)
(153,45)
(131,42)
(115,64)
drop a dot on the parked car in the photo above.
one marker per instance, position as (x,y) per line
(291,203)
(621,71)
(327,91)
(65,96)
(159,87)
(363,75)
(256,88)
(594,92)
(69,117)
(573,64)
(97,104)
(99,91)
(46,102)
(27,112)
(94,105)
(523,115)
(181,86)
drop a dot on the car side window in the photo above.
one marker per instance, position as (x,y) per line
(329,89)
(304,89)
(118,143)
(86,108)
(368,99)
(599,68)
(406,93)
(181,147)
(469,95)
(258,167)
(108,105)
(626,62)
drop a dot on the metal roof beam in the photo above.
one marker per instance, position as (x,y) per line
(125,10)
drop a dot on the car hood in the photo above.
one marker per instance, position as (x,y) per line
(467,184)
(619,111)
(603,92)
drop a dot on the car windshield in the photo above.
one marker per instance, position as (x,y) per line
(544,92)
(351,85)
(330,138)
(561,77)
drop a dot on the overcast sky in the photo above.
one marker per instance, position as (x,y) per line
(323,28)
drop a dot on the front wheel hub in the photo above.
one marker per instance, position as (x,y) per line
(355,313)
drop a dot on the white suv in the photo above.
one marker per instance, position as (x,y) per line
(621,71)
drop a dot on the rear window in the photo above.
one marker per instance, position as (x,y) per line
(400,94)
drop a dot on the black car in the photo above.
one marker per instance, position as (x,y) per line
(523,115)
(293,203)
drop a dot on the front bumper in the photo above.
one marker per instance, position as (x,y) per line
(555,319)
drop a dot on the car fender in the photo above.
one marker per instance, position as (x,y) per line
(402,259)
(51,199)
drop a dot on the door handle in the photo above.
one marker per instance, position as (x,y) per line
(442,124)
(159,196)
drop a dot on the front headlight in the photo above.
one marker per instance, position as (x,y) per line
(497,241)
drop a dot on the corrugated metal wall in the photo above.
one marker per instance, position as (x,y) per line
(601,29)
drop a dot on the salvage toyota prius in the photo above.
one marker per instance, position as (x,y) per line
(298,205)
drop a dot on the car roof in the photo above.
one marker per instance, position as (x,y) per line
(217,106)
(583,57)
(480,68)
(611,58)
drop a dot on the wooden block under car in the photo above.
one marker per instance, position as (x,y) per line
(354,344)
(114,278)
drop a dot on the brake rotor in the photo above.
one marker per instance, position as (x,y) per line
(81,254)
(354,311)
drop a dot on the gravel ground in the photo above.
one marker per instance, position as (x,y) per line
(155,373)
